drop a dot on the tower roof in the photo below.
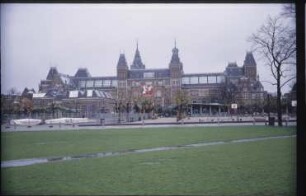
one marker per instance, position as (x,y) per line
(122,61)
(82,72)
(137,63)
(52,73)
(175,59)
(249,60)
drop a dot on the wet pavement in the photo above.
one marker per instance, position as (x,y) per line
(26,162)
(129,126)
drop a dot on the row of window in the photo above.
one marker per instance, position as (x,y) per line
(203,79)
(252,95)
(157,93)
(152,82)
(97,83)
(148,75)
(185,80)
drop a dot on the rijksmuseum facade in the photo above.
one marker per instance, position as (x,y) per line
(206,92)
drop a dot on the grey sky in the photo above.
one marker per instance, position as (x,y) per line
(35,37)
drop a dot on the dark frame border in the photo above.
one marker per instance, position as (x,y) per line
(300,66)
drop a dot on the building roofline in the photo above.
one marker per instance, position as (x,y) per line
(203,74)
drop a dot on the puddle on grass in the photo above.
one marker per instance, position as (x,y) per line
(150,163)
(22,162)
(55,142)
(26,162)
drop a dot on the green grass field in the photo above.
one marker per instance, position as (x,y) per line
(254,168)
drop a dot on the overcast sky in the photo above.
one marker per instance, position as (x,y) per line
(35,37)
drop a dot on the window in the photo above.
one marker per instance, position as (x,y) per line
(204,92)
(121,84)
(106,83)
(203,79)
(82,83)
(194,93)
(148,83)
(212,79)
(220,79)
(148,75)
(90,84)
(194,80)
(185,80)
(158,93)
(98,83)
(114,83)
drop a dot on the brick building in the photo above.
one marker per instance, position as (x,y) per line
(207,92)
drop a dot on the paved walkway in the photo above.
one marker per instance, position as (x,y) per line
(158,123)
(69,127)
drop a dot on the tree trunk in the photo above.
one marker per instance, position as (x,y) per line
(279,105)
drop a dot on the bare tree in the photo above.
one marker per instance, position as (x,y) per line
(229,92)
(275,41)
(13,91)
(288,11)
(26,105)
(181,101)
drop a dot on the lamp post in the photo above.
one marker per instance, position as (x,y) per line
(76,108)
(52,108)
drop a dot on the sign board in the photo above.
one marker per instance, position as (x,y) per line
(234,106)
(293,103)
(147,90)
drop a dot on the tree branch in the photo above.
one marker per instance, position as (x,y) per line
(287,81)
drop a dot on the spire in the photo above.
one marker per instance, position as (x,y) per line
(249,60)
(122,61)
(175,59)
(52,73)
(137,63)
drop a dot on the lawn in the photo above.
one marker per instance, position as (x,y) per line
(20,145)
(253,168)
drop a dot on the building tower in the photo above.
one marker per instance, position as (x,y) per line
(249,66)
(137,63)
(176,72)
(122,76)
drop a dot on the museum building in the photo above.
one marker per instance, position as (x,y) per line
(207,92)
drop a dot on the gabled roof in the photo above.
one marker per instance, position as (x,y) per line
(27,92)
(52,73)
(232,70)
(249,60)
(137,63)
(82,73)
(122,61)
(232,65)
(257,86)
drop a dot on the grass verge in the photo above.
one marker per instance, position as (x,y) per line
(254,168)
